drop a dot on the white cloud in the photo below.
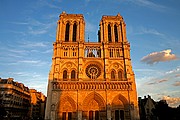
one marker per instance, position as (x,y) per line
(148,4)
(143,30)
(36,31)
(157,81)
(173,102)
(29,61)
(19,23)
(28,44)
(33,62)
(161,56)
(174,71)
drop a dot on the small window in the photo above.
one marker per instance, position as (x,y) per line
(73,74)
(118,53)
(65,53)
(120,75)
(74,53)
(65,75)
(111,52)
(112,74)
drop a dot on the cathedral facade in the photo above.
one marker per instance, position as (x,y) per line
(91,80)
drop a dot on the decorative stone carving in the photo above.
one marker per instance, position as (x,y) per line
(93,71)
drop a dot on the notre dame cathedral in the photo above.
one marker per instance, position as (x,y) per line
(91,80)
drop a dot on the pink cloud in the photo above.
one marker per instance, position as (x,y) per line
(177,83)
(161,56)
(173,102)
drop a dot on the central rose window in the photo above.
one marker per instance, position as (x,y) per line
(93,71)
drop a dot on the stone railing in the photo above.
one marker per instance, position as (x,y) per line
(91,85)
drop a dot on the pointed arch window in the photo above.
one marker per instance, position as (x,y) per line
(65,75)
(67,32)
(113,75)
(73,74)
(120,75)
(115,33)
(109,33)
(74,32)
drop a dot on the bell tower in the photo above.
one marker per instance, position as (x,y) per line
(91,80)
(112,29)
(70,28)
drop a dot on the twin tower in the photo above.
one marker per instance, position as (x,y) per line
(91,80)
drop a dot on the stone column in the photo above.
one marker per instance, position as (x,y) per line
(77,33)
(57,31)
(105,33)
(108,112)
(101,32)
(123,31)
(79,115)
(119,33)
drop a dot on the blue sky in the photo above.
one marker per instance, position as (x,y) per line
(28,30)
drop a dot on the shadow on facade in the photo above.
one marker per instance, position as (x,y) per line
(92,107)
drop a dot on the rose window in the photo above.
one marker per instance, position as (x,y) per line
(93,71)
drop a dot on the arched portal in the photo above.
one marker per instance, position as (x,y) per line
(66,109)
(119,108)
(94,107)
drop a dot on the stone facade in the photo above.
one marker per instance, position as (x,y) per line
(38,100)
(91,80)
(14,100)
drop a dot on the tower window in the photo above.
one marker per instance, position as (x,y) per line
(117,52)
(67,32)
(74,53)
(65,53)
(65,75)
(109,33)
(74,32)
(73,74)
(116,33)
(111,52)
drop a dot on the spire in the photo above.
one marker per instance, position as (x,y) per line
(88,37)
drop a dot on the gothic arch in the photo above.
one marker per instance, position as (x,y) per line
(93,62)
(120,101)
(93,96)
(69,66)
(66,104)
(116,66)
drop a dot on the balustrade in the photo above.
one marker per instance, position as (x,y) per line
(93,85)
